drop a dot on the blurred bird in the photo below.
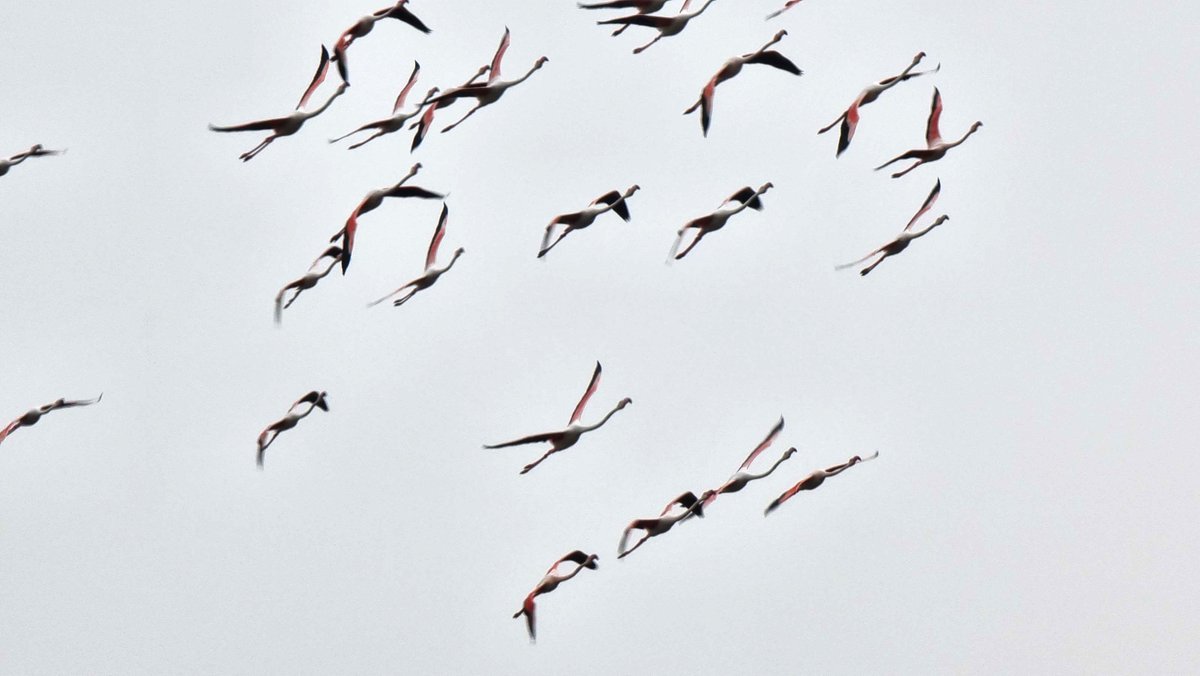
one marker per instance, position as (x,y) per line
(485,94)
(309,280)
(642,7)
(33,416)
(35,151)
(746,197)
(816,479)
(666,25)
(423,125)
(734,66)
(396,122)
(849,119)
(372,202)
(665,521)
(550,582)
(314,400)
(610,201)
(431,273)
(786,6)
(364,26)
(742,477)
(935,148)
(906,236)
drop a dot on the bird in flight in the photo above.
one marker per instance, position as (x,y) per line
(786,6)
(30,418)
(550,582)
(396,122)
(432,273)
(315,274)
(936,148)
(36,150)
(426,121)
(577,220)
(849,119)
(688,506)
(288,124)
(734,66)
(642,7)
(364,26)
(746,197)
(297,411)
(565,438)
(906,236)
(742,476)
(372,202)
(816,479)
(665,25)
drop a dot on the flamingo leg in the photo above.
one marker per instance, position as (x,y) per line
(867,270)
(832,124)
(646,46)
(463,118)
(561,235)
(403,299)
(249,155)
(699,236)
(537,462)
(901,173)
(369,139)
(632,549)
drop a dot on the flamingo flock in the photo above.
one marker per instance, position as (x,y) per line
(419,117)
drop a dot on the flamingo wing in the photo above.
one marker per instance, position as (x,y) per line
(764,444)
(927,205)
(423,126)
(746,196)
(787,495)
(788,5)
(775,60)
(412,80)
(528,610)
(495,67)
(438,233)
(658,22)
(348,232)
(9,429)
(412,191)
(706,104)
(401,12)
(933,136)
(531,439)
(259,125)
(587,394)
(318,78)
(614,199)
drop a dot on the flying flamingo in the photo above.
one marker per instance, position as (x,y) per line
(364,26)
(35,151)
(816,479)
(268,436)
(936,148)
(566,438)
(308,281)
(372,202)
(666,25)
(849,119)
(742,477)
(786,6)
(487,93)
(422,125)
(33,416)
(288,124)
(734,66)
(692,506)
(906,236)
(578,220)
(396,122)
(642,7)
(550,582)
(746,197)
(431,273)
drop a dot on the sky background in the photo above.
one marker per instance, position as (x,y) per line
(1027,372)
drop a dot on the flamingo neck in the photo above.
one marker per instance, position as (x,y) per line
(970,131)
(328,102)
(772,469)
(589,428)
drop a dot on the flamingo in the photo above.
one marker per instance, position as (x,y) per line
(396,122)
(746,197)
(37,150)
(308,281)
(936,148)
(566,438)
(422,125)
(906,236)
(642,7)
(550,582)
(314,400)
(288,124)
(692,506)
(364,26)
(431,273)
(372,202)
(816,479)
(578,220)
(786,6)
(742,477)
(666,25)
(734,66)
(849,119)
(30,418)
(485,94)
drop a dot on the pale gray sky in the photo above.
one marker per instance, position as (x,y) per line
(1028,371)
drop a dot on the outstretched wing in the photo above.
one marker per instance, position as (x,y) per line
(788,5)
(614,199)
(932,135)
(412,80)
(9,429)
(640,20)
(764,444)
(413,191)
(587,394)
(401,12)
(927,205)
(494,73)
(785,496)
(438,233)
(80,402)
(775,60)
(259,125)
(423,126)
(531,439)
(746,196)
(318,78)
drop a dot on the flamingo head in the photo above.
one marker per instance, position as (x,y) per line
(780,34)
(940,219)
(789,452)
(976,126)
(541,62)
(918,57)
(459,251)
(765,187)
(632,189)
(624,402)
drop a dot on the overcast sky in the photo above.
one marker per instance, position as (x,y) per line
(1027,372)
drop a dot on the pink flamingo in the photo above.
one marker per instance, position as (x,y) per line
(364,26)
(935,148)
(288,124)
(665,521)
(742,477)
(665,25)
(642,7)
(36,150)
(786,6)
(906,236)
(422,125)
(485,94)
(746,197)
(550,582)
(815,479)
(734,66)
(578,220)
(372,202)
(309,280)
(396,122)
(563,439)
(314,400)
(431,274)
(30,418)
(849,119)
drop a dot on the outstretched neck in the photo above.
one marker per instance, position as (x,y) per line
(970,131)
(701,10)
(328,102)
(771,469)
(513,83)
(588,428)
